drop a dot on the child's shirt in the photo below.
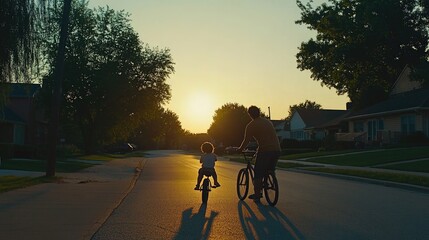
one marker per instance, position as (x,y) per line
(208,160)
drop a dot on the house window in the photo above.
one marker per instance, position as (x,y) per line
(299,135)
(358,126)
(408,124)
(374,126)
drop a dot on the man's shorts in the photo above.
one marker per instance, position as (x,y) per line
(265,161)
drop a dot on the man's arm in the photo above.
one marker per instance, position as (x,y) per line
(247,137)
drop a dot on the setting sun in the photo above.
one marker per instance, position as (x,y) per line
(200,108)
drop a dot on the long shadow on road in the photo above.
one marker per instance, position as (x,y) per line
(267,223)
(196,226)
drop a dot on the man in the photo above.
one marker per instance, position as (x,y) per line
(268,152)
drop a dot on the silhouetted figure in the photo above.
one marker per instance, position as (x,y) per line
(207,160)
(268,151)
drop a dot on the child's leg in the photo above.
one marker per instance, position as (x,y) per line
(200,177)
(215,177)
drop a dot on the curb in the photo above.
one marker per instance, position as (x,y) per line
(365,180)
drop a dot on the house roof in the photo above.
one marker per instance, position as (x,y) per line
(21,89)
(280,124)
(397,103)
(314,118)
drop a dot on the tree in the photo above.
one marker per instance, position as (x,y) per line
(17,48)
(362,45)
(305,105)
(57,89)
(228,124)
(172,129)
(160,129)
(112,79)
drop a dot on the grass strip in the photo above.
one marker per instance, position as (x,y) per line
(291,165)
(393,177)
(315,154)
(40,165)
(279,164)
(98,157)
(8,183)
(111,156)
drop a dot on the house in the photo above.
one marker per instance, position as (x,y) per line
(21,121)
(316,124)
(282,128)
(405,112)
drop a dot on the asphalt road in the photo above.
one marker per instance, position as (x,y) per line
(163,205)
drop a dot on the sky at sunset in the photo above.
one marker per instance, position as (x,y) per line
(228,51)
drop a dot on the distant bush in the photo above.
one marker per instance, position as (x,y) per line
(24,151)
(67,150)
(308,144)
(6,151)
(416,138)
(343,145)
(289,143)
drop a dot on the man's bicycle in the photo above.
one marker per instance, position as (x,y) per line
(269,181)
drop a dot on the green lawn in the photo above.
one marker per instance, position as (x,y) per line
(8,183)
(371,158)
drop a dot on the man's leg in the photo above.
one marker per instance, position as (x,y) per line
(257,187)
(260,168)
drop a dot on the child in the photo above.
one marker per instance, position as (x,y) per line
(207,161)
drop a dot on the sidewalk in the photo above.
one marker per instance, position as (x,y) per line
(72,209)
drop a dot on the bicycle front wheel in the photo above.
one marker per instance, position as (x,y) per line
(205,191)
(271,189)
(242,183)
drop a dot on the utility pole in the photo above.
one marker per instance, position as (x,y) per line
(57,91)
(269,113)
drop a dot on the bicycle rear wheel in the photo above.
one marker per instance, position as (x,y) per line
(205,190)
(242,183)
(271,189)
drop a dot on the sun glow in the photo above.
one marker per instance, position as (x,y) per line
(200,109)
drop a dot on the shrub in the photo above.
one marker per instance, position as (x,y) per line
(6,151)
(289,143)
(416,138)
(67,150)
